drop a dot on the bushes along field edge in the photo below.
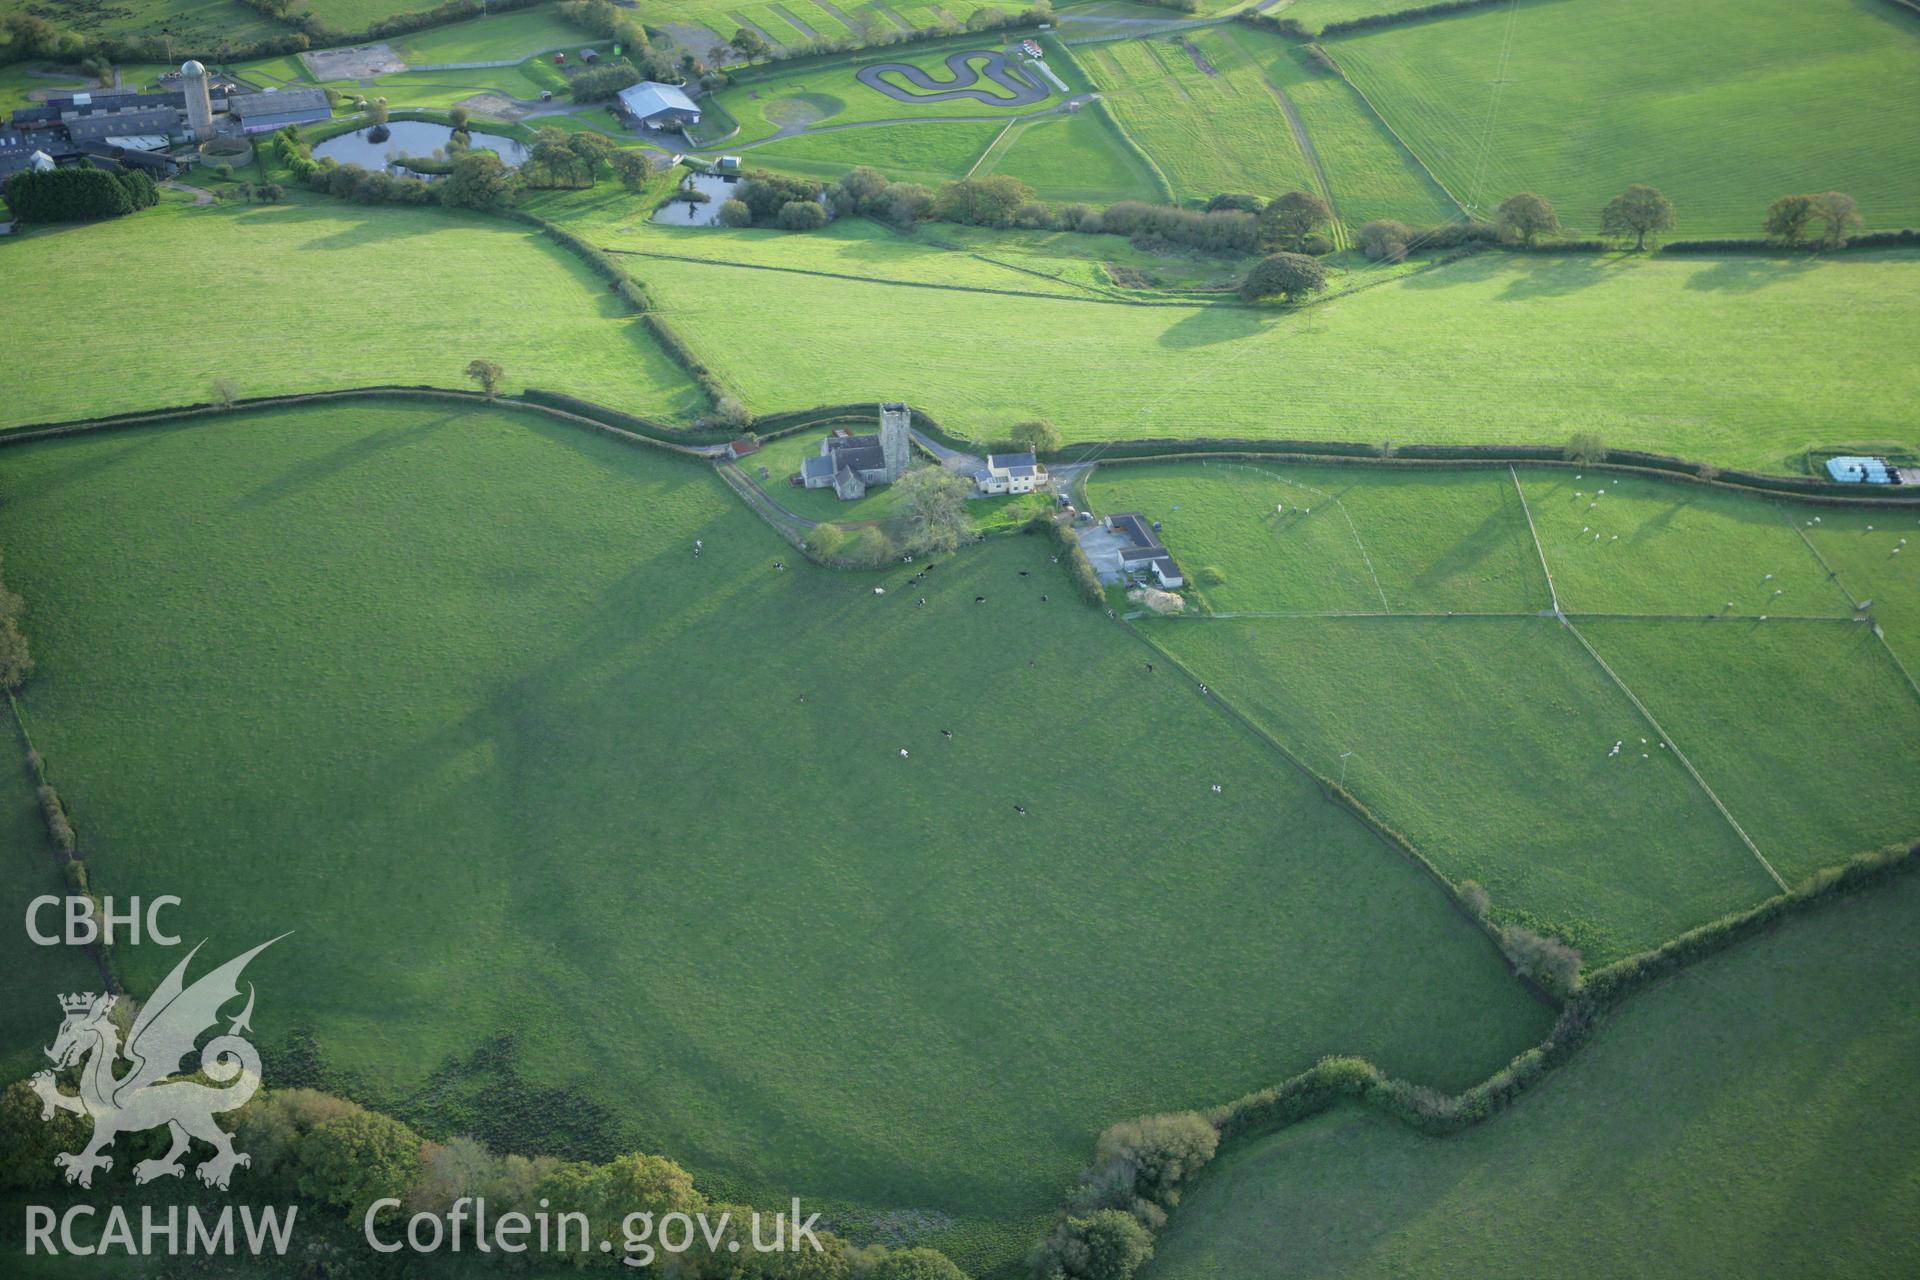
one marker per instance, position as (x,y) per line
(1141,1166)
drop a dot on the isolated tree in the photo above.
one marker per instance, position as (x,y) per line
(1039,436)
(1385,240)
(224,392)
(272,192)
(479,180)
(245,192)
(933,508)
(486,373)
(458,117)
(377,112)
(751,44)
(1526,217)
(734,213)
(1840,214)
(1787,218)
(1293,217)
(1584,446)
(1639,211)
(1291,276)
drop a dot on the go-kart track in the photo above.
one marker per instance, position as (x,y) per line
(965,69)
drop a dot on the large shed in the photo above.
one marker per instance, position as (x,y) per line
(658,106)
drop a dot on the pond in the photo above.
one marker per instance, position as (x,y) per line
(717,189)
(410,138)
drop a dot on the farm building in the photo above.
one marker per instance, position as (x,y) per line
(1140,549)
(848,463)
(1012,473)
(658,106)
(277,108)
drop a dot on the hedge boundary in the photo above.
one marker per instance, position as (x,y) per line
(1337,1079)
(1626,461)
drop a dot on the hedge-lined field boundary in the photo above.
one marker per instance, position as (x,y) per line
(1630,461)
(1140,1165)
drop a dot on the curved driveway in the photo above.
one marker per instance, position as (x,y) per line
(1020,92)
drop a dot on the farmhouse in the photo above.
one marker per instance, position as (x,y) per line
(1140,549)
(658,106)
(847,463)
(1011,473)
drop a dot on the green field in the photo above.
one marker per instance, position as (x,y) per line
(1225,127)
(1723,104)
(35,974)
(1750,1117)
(1501,769)
(189,21)
(318,669)
(1807,730)
(489,39)
(1669,354)
(1870,552)
(1208,133)
(1485,742)
(310,297)
(923,153)
(1349,539)
(1071,157)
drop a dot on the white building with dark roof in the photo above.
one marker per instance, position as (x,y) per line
(1140,549)
(1011,473)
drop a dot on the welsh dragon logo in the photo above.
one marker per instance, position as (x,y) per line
(150,1092)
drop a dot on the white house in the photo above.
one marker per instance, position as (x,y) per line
(1140,549)
(1012,473)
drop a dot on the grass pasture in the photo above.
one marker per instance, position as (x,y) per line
(1484,742)
(1350,539)
(1209,133)
(1874,554)
(925,153)
(192,21)
(1807,730)
(315,669)
(1666,353)
(1654,546)
(335,295)
(1071,157)
(1723,104)
(1738,1120)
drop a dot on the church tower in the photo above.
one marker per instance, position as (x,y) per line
(894,444)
